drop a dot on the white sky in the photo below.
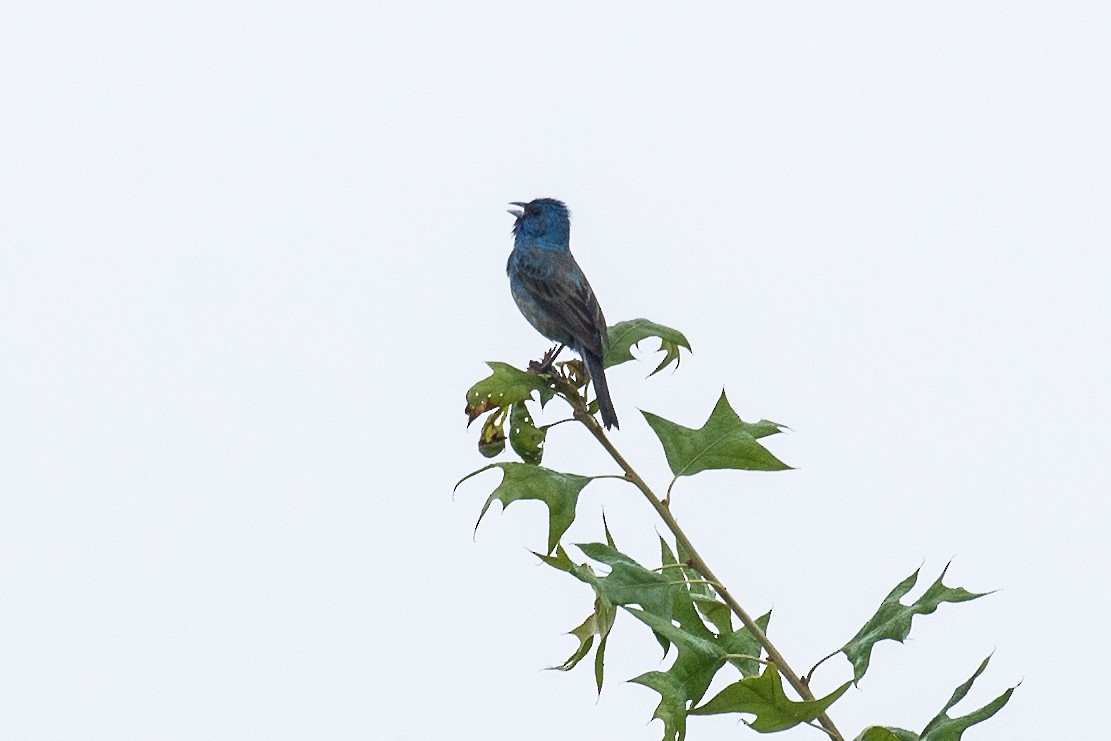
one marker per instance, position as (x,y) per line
(253,255)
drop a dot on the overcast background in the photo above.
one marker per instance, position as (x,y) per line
(253,256)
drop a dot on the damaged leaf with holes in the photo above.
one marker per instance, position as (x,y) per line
(505,386)
(491,442)
(525,437)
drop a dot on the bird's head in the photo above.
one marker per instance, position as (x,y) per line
(544,221)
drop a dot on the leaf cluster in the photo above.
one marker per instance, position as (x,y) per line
(680,601)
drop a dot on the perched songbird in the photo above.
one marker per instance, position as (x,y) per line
(554,295)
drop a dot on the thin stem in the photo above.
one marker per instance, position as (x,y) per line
(696,561)
(810,674)
(667,496)
(550,425)
(826,731)
(746,657)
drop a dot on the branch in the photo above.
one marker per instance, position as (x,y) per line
(583,415)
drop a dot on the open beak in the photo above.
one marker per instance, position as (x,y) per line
(517,212)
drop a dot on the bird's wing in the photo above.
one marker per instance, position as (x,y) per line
(565,293)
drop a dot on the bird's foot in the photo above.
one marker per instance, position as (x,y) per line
(545,363)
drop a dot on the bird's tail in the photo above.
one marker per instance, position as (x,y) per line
(601,389)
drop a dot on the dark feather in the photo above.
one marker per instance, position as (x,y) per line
(573,301)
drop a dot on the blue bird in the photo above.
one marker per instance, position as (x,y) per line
(554,295)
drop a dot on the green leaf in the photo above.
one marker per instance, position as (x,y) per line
(585,632)
(682,603)
(893,619)
(559,561)
(723,442)
(698,594)
(713,610)
(672,709)
(559,491)
(883,733)
(764,697)
(944,728)
(505,386)
(705,598)
(629,583)
(664,597)
(698,658)
(624,335)
(582,572)
(599,660)
(491,441)
(663,593)
(527,440)
(626,583)
(598,623)
(741,641)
